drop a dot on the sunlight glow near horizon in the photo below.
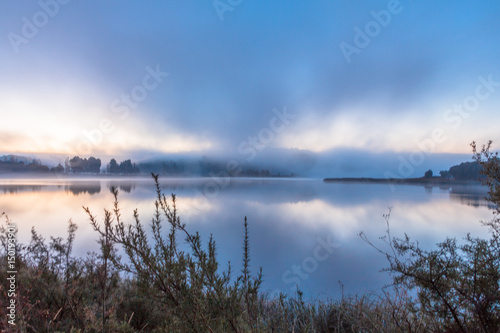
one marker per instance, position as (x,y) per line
(385,133)
(64,133)
(226,76)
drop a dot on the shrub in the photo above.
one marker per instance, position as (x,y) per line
(187,286)
(55,291)
(457,284)
(161,286)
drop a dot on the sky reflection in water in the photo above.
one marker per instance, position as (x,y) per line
(290,220)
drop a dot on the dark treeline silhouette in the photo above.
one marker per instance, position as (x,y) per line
(205,167)
(170,168)
(13,163)
(125,167)
(57,169)
(464,171)
(143,279)
(6,167)
(83,165)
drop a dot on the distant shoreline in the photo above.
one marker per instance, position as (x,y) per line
(77,176)
(436,181)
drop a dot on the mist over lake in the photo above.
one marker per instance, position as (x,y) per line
(302,231)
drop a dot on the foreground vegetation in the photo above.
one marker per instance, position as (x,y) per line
(161,286)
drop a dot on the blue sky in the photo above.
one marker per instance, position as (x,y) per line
(62,86)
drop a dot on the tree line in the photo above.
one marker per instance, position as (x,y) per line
(144,278)
(125,167)
(74,165)
(18,164)
(93,165)
(467,171)
(464,171)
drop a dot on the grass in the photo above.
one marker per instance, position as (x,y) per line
(157,286)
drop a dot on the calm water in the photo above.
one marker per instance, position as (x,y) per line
(301,231)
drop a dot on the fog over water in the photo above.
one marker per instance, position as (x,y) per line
(302,231)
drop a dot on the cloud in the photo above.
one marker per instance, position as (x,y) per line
(227,77)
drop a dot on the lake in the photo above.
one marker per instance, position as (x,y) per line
(302,231)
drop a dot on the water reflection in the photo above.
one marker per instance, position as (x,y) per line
(92,187)
(84,188)
(471,196)
(123,186)
(13,189)
(302,231)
